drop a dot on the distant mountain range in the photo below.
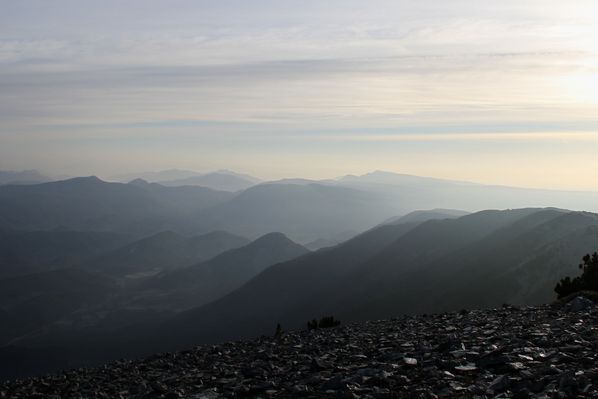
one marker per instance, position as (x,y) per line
(222,180)
(398,179)
(92,270)
(90,204)
(153,177)
(415,192)
(305,211)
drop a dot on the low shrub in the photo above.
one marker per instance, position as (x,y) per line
(325,322)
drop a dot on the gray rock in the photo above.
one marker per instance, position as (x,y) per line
(542,352)
(578,304)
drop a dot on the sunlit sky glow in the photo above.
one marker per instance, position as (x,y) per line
(499,92)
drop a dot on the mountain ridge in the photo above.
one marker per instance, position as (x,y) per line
(209,280)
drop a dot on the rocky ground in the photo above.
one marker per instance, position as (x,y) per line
(542,352)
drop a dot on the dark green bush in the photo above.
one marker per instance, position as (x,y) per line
(325,322)
(278,331)
(588,281)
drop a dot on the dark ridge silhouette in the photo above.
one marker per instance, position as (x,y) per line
(87,203)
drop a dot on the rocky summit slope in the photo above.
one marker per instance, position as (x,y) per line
(532,352)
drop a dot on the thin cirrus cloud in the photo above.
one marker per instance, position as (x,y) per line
(409,89)
(219,75)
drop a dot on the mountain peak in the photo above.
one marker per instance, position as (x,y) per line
(84,180)
(274,239)
(139,182)
(276,242)
(274,236)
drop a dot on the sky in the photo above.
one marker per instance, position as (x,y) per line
(493,92)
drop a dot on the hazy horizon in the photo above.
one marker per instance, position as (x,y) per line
(503,93)
(127,177)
